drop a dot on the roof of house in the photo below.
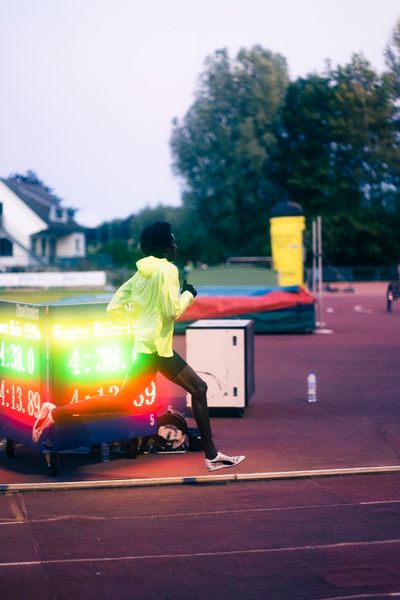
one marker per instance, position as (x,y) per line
(43,203)
(59,229)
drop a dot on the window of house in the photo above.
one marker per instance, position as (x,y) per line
(77,245)
(58,214)
(6,247)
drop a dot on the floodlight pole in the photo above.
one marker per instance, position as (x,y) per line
(320,272)
(314,257)
(317,273)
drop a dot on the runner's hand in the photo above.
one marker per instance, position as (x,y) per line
(187,287)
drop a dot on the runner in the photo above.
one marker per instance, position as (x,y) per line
(151,298)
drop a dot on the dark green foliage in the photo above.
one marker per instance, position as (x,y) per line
(368,238)
(116,253)
(392,56)
(338,149)
(331,141)
(339,157)
(224,149)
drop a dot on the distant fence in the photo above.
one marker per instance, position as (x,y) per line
(331,273)
(259,261)
(357,274)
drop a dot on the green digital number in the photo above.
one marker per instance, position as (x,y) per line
(31,361)
(107,359)
(74,362)
(17,358)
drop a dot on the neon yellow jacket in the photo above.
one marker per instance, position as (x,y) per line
(151,298)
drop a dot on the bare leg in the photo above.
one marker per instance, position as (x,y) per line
(192,383)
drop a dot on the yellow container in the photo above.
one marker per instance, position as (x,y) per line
(287,249)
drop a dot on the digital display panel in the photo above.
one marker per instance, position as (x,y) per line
(91,355)
(22,365)
(66,354)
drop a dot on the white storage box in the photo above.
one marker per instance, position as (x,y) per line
(221,351)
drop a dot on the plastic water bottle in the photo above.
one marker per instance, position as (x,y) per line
(312,387)
(105,452)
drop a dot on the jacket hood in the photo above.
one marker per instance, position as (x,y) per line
(147,265)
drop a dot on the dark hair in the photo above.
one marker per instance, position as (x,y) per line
(156,238)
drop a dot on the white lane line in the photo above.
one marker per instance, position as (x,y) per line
(62,561)
(380,502)
(378,596)
(211,513)
(193,480)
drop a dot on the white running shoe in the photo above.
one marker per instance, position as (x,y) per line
(221,461)
(43,421)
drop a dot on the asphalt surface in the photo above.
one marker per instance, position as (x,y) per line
(311,538)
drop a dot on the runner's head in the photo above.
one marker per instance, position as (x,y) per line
(158,240)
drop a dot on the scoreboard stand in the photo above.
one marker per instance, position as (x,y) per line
(53,462)
(10,448)
(64,354)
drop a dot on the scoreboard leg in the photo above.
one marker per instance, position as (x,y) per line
(10,448)
(52,462)
(133,448)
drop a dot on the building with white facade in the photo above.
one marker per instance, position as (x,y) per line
(35,229)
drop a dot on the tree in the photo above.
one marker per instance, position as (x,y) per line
(339,157)
(223,150)
(118,241)
(337,144)
(365,153)
(115,253)
(303,162)
(392,78)
(392,59)
(181,226)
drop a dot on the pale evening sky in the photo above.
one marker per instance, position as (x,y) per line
(89,88)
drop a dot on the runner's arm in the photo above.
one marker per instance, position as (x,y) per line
(173,303)
(119,307)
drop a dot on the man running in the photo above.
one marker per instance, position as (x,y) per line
(151,298)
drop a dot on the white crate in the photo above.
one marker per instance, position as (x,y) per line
(221,351)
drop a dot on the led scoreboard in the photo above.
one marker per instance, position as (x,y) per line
(22,367)
(66,354)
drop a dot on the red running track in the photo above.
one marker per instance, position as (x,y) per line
(354,423)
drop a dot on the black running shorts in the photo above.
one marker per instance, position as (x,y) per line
(169,366)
